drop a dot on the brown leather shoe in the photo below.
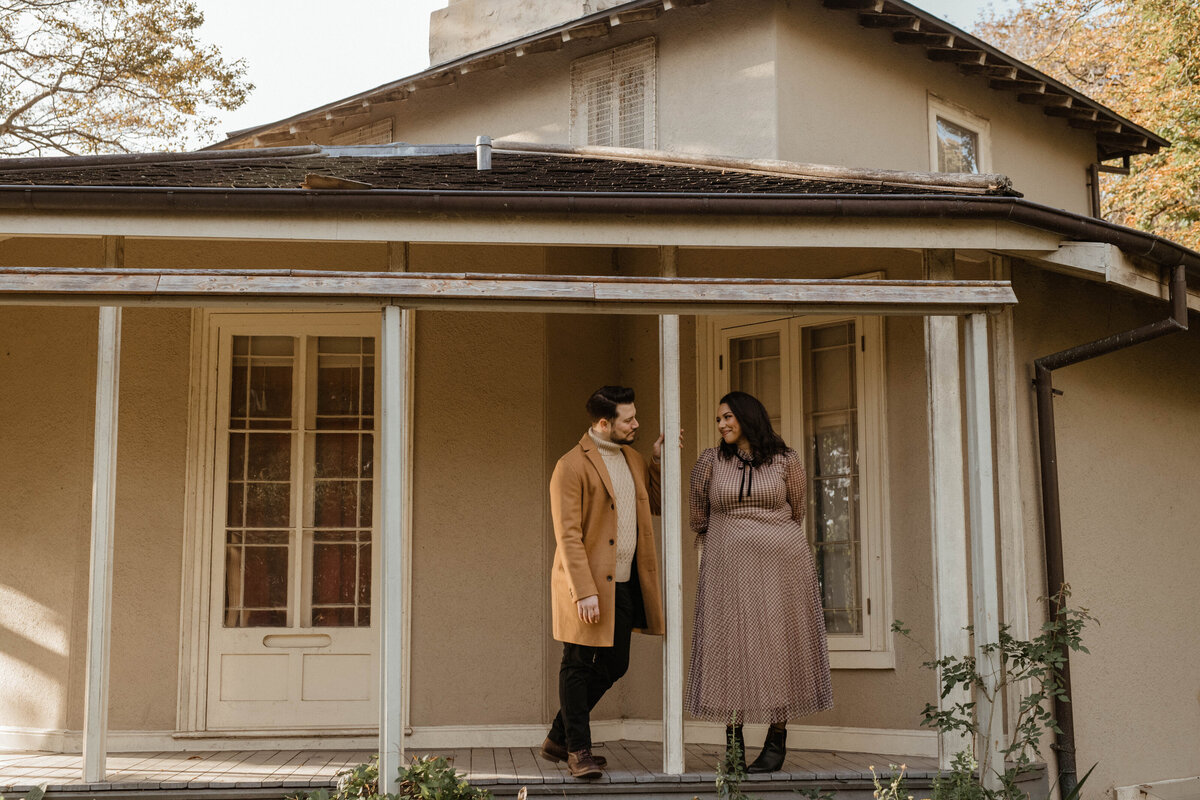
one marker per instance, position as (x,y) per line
(581,764)
(553,751)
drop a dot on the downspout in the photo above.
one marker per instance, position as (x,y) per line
(1051,508)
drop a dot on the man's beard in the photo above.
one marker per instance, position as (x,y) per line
(612,437)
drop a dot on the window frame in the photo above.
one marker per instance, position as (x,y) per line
(611,60)
(874,648)
(940,108)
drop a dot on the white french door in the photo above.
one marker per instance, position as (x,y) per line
(820,379)
(292,641)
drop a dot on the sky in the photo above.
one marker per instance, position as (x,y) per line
(289,44)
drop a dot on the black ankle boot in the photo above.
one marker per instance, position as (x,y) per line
(733,737)
(770,759)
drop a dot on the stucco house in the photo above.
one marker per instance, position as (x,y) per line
(286,488)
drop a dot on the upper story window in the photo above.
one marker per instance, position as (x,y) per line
(960,141)
(378,132)
(612,97)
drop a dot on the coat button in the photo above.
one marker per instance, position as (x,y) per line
(612,505)
(610,577)
(611,541)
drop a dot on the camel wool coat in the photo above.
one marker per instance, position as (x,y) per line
(583,509)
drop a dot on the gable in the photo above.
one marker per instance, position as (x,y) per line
(938,41)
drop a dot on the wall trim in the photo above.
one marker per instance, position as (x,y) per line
(882,741)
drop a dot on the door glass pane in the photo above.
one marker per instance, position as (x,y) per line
(755,368)
(830,414)
(258,489)
(256,571)
(340,461)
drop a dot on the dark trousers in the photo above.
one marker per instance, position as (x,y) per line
(587,673)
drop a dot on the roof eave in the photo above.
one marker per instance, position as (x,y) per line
(1016,210)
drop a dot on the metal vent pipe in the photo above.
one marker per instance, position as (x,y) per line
(1051,502)
(483,152)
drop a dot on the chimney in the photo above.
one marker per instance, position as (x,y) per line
(467,26)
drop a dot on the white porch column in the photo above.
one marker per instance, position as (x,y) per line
(947,495)
(672,533)
(985,590)
(1008,390)
(104,474)
(394,447)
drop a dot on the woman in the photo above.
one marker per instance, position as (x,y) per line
(758,645)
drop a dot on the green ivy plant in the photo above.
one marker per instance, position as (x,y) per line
(1033,666)
(429,778)
(731,771)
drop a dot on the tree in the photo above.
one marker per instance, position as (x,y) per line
(1142,59)
(95,76)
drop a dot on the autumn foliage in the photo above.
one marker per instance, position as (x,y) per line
(94,76)
(1142,59)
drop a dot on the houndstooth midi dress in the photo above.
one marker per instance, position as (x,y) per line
(758,644)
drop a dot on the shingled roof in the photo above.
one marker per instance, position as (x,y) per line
(454,168)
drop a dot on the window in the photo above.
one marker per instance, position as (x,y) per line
(613,97)
(298,500)
(960,141)
(378,132)
(821,380)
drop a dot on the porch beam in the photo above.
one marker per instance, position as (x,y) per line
(394,537)
(985,587)
(104,474)
(947,497)
(672,530)
(467,291)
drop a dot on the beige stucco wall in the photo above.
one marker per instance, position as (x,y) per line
(48,379)
(1128,444)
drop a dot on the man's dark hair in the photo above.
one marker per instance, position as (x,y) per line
(756,427)
(604,401)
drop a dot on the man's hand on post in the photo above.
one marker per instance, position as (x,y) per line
(589,609)
(658,444)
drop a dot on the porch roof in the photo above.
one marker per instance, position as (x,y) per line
(454,168)
(538,194)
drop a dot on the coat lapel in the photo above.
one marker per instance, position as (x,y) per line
(593,454)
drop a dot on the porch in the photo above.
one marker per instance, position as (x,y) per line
(635,768)
(938,301)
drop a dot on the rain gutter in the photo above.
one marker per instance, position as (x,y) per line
(1051,500)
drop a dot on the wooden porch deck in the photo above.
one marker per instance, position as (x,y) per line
(634,769)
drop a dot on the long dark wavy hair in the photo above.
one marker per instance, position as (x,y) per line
(765,443)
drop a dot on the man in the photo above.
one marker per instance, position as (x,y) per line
(604,582)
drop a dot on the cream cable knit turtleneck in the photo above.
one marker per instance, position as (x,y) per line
(626,502)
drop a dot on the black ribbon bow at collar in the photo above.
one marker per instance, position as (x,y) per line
(746,467)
